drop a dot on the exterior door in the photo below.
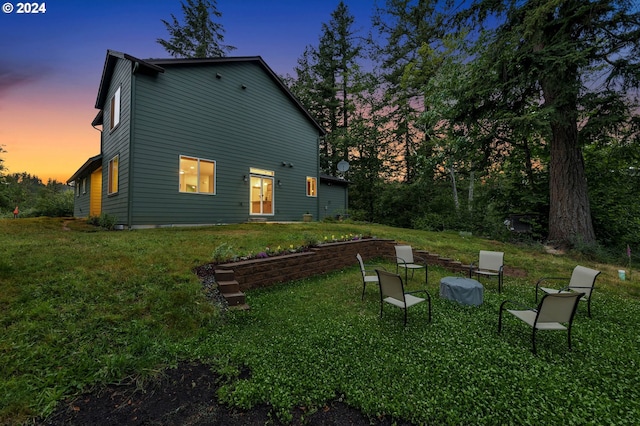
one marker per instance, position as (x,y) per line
(261,195)
(95,194)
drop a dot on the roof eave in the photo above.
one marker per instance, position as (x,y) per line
(107,72)
(89,166)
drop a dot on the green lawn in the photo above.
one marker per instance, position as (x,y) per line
(81,308)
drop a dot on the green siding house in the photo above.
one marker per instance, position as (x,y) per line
(202,141)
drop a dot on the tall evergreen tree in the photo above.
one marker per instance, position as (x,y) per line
(406,26)
(199,36)
(576,59)
(327,79)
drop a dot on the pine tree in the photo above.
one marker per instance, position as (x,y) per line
(327,81)
(199,36)
(574,61)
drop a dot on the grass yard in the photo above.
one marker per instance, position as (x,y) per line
(81,309)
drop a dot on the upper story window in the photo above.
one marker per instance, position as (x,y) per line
(115,110)
(113,175)
(312,188)
(197,175)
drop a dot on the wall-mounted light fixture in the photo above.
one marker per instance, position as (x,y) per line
(218,75)
(284,164)
(290,164)
(245,178)
(279,182)
(244,86)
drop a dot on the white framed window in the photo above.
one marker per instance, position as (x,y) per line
(312,187)
(115,110)
(112,177)
(197,175)
(84,185)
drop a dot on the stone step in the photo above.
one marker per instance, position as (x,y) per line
(224,275)
(234,299)
(229,286)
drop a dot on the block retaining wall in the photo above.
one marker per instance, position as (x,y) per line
(325,258)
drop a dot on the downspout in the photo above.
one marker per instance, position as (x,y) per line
(91,195)
(132,94)
(318,198)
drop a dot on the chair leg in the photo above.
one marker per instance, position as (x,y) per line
(533,340)
(405,317)
(500,316)
(569,337)
(364,286)
(589,306)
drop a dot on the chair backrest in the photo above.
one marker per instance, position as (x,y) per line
(491,260)
(558,307)
(583,279)
(361,262)
(404,254)
(390,285)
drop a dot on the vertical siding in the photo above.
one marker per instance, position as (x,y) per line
(81,200)
(188,111)
(116,142)
(333,200)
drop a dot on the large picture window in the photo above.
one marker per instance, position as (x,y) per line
(312,188)
(113,175)
(115,110)
(197,175)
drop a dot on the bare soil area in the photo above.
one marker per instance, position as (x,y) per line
(187,396)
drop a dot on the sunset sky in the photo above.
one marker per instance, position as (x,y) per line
(51,64)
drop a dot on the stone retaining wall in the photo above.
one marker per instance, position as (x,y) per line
(325,258)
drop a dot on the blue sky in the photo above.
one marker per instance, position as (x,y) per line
(52,62)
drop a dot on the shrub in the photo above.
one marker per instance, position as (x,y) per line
(105,220)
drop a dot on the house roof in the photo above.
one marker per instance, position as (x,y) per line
(154,66)
(109,66)
(89,166)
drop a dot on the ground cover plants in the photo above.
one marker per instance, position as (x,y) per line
(81,309)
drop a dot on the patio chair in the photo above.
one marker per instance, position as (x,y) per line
(405,259)
(490,264)
(582,280)
(392,291)
(369,274)
(554,310)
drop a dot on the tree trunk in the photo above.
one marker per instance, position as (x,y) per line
(569,209)
(454,188)
(471,185)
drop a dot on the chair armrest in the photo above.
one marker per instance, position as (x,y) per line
(541,280)
(517,304)
(471,269)
(422,259)
(502,308)
(372,268)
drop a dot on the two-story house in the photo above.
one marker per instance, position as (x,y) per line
(202,141)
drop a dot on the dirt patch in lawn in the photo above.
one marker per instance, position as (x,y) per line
(187,396)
